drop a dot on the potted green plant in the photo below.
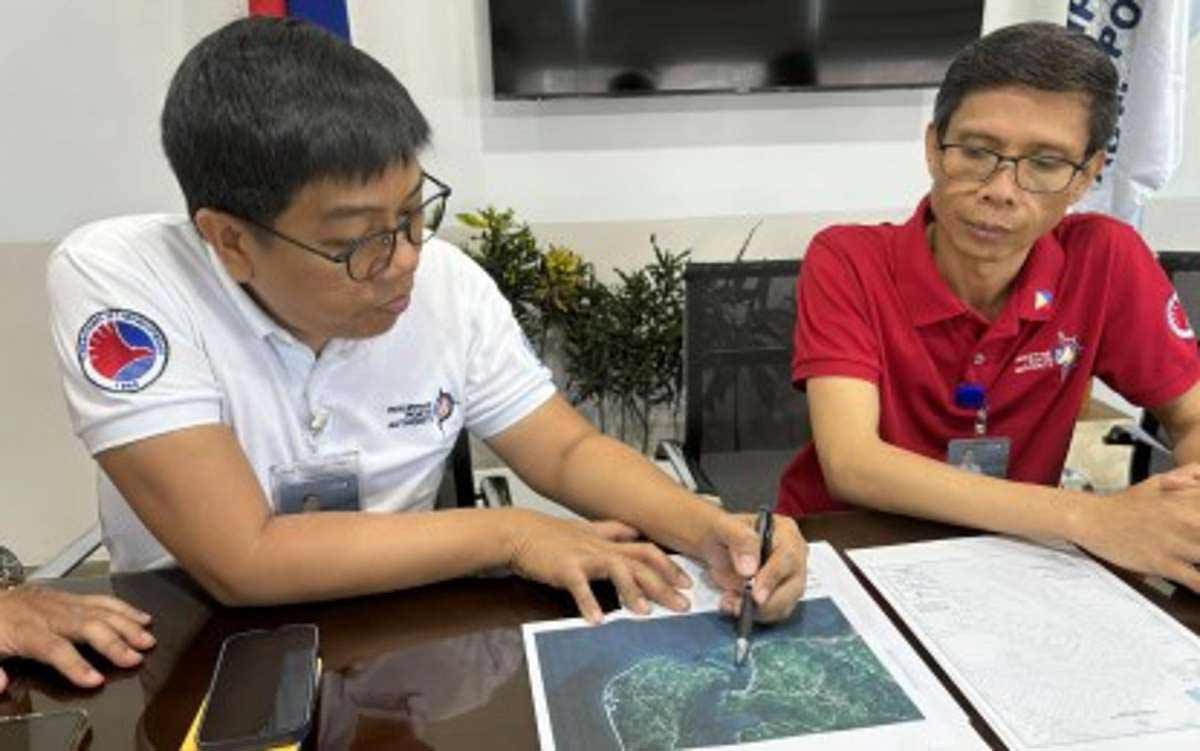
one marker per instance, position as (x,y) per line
(509,253)
(617,348)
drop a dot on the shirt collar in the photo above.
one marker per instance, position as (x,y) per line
(929,297)
(925,293)
(261,324)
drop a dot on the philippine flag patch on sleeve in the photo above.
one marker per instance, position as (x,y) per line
(122,351)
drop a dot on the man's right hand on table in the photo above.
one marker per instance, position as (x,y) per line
(1152,527)
(570,554)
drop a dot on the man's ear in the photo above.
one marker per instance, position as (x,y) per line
(232,241)
(1083,181)
(932,152)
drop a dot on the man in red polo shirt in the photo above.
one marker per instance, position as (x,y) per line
(946,359)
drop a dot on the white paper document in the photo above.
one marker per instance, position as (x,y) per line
(1051,648)
(836,675)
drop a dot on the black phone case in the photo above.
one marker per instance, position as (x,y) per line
(284,735)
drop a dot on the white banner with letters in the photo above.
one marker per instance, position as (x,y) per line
(1147,40)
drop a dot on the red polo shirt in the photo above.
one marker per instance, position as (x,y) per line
(1090,300)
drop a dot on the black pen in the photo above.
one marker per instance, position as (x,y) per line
(765,526)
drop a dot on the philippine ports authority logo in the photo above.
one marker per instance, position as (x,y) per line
(121,351)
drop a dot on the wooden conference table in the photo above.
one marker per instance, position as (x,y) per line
(439,667)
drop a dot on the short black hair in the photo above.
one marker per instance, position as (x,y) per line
(263,106)
(1039,55)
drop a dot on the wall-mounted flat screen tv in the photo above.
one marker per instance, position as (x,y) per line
(571,48)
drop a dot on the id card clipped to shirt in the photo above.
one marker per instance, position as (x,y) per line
(986,455)
(321,483)
(983,454)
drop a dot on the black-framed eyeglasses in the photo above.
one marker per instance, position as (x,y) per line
(1035,174)
(369,255)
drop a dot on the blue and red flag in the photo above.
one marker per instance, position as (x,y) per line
(328,14)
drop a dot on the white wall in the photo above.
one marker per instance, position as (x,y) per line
(615,160)
(46,477)
(81,85)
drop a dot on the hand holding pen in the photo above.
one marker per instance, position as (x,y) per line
(764,525)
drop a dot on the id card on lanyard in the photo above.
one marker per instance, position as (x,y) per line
(321,483)
(982,454)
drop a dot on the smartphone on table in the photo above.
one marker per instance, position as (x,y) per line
(62,730)
(263,690)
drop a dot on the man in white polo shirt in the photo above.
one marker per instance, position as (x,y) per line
(300,341)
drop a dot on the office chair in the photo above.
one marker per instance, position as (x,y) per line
(458,482)
(1151,445)
(743,421)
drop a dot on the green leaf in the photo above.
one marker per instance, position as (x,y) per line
(471,220)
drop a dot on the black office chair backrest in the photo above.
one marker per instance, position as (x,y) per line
(738,325)
(1183,269)
(458,485)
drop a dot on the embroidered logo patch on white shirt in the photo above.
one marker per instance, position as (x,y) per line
(120,350)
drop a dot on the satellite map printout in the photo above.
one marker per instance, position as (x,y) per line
(670,682)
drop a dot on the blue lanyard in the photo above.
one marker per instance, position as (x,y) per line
(973,396)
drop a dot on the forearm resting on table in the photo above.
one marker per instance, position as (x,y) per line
(305,557)
(211,514)
(871,472)
(602,478)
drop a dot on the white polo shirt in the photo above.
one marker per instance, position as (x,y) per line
(154,336)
